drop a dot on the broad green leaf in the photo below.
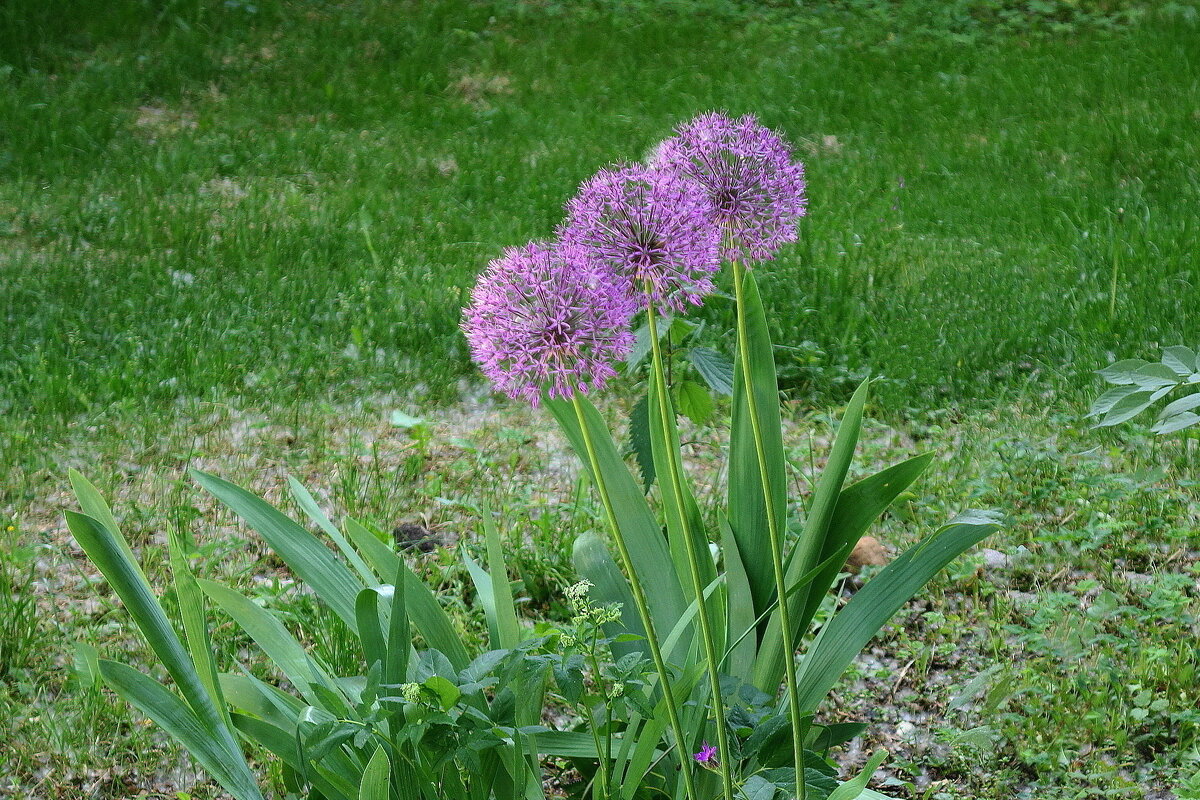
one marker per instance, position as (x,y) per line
(639,440)
(1180,359)
(676,636)
(369,627)
(103,546)
(92,503)
(813,540)
(1106,401)
(1181,405)
(844,637)
(823,737)
(377,777)
(1122,372)
(684,527)
(399,644)
(647,547)
(569,744)
(429,618)
(382,558)
(747,506)
(1155,376)
(645,749)
(852,789)
(715,368)
(641,347)
(308,558)
(261,699)
(1176,423)
(447,693)
(309,505)
(487,598)
(759,788)
(287,654)
(695,402)
(1126,409)
(228,768)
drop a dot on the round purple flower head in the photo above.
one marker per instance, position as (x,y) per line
(747,170)
(546,317)
(707,755)
(653,227)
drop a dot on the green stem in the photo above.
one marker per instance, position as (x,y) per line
(676,488)
(776,535)
(607,703)
(1112,292)
(643,609)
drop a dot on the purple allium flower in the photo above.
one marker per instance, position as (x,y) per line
(749,175)
(547,317)
(707,755)
(655,227)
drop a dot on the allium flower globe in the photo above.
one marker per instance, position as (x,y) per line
(654,227)
(548,318)
(756,189)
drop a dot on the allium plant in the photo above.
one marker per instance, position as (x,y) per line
(717,637)
(756,188)
(549,318)
(652,227)
(695,649)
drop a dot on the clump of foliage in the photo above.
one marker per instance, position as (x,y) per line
(673,663)
(1139,384)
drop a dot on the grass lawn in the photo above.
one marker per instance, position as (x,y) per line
(238,235)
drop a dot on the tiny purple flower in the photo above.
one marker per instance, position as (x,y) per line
(654,227)
(548,318)
(747,170)
(707,755)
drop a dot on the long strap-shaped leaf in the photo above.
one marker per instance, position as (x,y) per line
(768,670)
(195,625)
(172,715)
(270,634)
(423,608)
(647,547)
(495,591)
(109,552)
(747,504)
(308,558)
(308,503)
(377,778)
(869,610)
(858,506)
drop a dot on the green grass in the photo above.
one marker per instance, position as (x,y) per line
(237,239)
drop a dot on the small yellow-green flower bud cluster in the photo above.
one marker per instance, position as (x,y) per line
(411,692)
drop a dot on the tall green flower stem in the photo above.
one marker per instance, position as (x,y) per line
(676,488)
(776,535)
(639,600)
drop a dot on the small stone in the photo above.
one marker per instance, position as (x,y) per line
(867,553)
(906,731)
(994,559)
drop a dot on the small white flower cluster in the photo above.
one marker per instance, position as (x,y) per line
(587,612)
